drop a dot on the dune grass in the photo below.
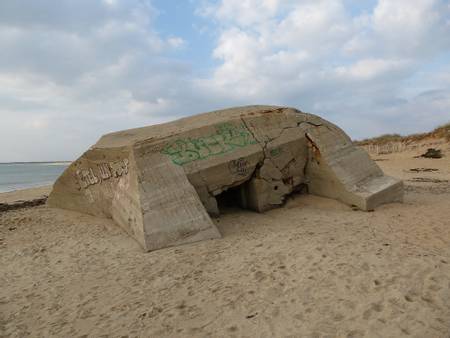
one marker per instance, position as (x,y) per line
(439,132)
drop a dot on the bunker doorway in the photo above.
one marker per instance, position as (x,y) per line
(232,199)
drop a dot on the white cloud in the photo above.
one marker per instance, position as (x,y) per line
(319,56)
(78,69)
(370,69)
(176,42)
(73,70)
(38,122)
(243,12)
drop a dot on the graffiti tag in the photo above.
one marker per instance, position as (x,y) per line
(239,167)
(275,152)
(104,171)
(227,138)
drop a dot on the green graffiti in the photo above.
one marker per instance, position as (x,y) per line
(275,152)
(227,138)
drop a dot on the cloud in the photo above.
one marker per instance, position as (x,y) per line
(71,71)
(356,68)
(242,12)
(372,69)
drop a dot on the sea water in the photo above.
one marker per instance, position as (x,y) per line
(15,176)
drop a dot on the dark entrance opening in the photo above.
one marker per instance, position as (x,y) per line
(232,199)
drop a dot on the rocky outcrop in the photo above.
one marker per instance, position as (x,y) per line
(161,183)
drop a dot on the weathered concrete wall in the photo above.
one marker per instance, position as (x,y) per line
(342,171)
(160,182)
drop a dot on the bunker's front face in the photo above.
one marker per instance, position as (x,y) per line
(160,182)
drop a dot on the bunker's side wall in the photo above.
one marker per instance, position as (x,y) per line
(160,189)
(340,170)
(103,183)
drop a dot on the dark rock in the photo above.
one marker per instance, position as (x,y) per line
(432,153)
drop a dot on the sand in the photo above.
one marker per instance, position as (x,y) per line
(314,268)
(25,194)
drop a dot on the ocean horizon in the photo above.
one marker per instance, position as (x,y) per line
(24,175)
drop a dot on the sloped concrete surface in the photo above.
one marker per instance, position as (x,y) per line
(160,182)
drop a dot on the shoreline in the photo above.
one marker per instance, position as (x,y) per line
(23,195)
(16,176)
(27,187)
(39,162)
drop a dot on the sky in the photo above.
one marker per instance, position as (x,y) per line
(73,70)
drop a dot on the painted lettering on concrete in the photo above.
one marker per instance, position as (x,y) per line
(275,152)
(227,138)
(103,171)
(239,167)
(86,177)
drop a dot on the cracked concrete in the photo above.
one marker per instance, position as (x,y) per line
(161,183)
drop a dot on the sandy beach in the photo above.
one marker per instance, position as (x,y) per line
(225,169)
(313,268)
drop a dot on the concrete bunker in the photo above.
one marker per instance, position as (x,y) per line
(161,183)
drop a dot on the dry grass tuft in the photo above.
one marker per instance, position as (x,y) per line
(443,131)
(440,132)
